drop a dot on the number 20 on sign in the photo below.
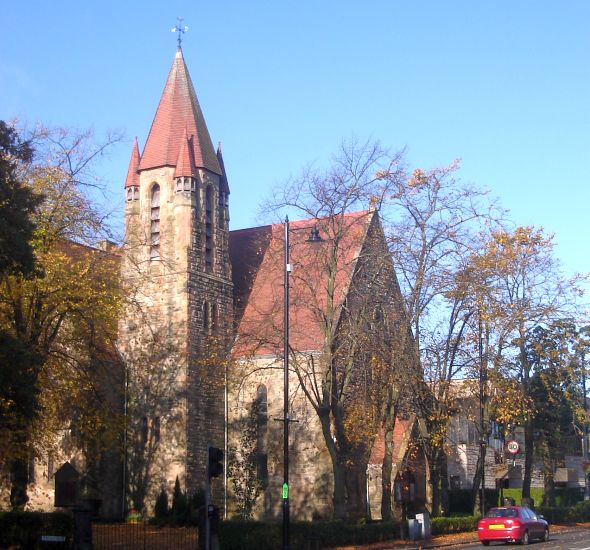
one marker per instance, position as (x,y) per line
(513,447)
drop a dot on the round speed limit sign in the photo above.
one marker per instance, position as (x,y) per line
(513,447)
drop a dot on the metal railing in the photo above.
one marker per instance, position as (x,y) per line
(143,536)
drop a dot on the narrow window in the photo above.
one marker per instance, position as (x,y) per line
(214,318)
(261,416)
(144,430)
(156,429)
(31,469)
(155,223)
(206,318)
(50,467)
(208,229)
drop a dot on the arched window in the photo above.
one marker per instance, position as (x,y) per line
(208,229)
(155,223)
(261,416)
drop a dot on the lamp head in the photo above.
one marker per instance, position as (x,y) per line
(314,235)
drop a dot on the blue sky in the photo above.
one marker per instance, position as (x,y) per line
(504,85)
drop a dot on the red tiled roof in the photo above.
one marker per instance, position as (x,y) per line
(401,433)
(185,165)
(261,326)
(246,251)
(224,185)
(132,173)
(178,109)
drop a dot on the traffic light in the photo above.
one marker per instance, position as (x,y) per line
(215,462)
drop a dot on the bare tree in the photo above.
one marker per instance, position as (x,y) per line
(434,226)
(346,287)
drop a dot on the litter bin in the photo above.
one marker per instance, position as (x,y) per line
(413,529)
(423,520)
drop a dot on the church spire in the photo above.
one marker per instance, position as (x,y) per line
(179,109)
(132,180)
(185,164)
(223,183)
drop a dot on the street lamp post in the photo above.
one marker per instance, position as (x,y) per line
(285,491)
(482,420)
(314,237)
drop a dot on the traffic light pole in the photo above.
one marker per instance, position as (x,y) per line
(207,518)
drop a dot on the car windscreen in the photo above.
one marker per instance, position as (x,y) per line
(502,513)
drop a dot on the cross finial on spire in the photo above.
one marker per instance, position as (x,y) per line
(180,29)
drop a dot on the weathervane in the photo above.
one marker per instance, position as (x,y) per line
(180,29)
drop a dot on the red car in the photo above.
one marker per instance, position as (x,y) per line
(512,524)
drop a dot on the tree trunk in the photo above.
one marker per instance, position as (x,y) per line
(477,483)
(435,483)
(356,490)
(549,484)
(387,469)
(338,467)
(386,496)
(528,459)
(444,484)
(548,476)
(19,479)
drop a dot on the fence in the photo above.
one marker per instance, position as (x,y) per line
(143,536)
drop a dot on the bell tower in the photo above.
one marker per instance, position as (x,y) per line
(177,276)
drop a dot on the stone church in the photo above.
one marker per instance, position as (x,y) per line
(201,336)
(203,339)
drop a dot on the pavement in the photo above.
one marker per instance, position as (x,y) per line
(452,539)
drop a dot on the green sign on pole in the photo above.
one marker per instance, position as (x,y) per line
(285,491)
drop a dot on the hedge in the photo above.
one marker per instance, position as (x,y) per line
(574,514)
(243,535)
(456,524)
(24,529)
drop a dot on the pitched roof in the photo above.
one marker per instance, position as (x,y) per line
(132,173)
(185,165)
(246,250)
(223,182)
(178,109)
(261,324)
(400,437)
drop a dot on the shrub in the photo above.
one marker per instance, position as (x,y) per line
(250,535)
(161,509)
(24,529)
(456,524)
(179,509)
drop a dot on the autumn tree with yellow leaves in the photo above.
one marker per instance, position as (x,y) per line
(435,225)
(524,291)
(62,315)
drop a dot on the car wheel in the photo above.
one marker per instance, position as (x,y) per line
(525,538)
(546,534)
(485,542)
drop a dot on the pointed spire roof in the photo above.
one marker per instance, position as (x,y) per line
(185,165)
(178,109)
(223,183)
(132,171)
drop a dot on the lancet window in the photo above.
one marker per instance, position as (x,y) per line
(208,229)
(155,223)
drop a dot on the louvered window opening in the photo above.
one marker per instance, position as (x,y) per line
(155,224)
(209,229)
